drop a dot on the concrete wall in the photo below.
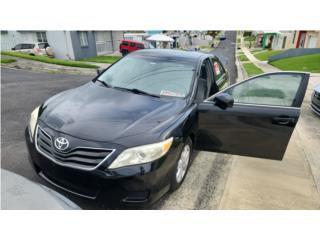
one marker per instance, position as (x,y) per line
(294,53)
(83,52)
(60,42)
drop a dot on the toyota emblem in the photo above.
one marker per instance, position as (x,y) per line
(61,143)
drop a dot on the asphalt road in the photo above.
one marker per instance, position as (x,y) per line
(23,90)
(226,53)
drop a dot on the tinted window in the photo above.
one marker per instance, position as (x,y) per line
(43,45)
(124,43)
(151,74)
(278,89)
(132,44)
(27,46)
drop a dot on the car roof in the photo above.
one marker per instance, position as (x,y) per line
(131,41)
(173,54)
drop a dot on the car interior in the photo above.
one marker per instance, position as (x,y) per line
(206,83)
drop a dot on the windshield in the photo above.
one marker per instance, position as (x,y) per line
(154,75)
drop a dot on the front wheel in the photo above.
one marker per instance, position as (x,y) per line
(182,165)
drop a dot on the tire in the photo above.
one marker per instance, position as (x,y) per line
(182,165)
(124,53)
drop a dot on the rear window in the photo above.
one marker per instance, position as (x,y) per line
(125,43)
(43,45)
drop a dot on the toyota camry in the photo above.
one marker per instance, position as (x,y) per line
(129,134)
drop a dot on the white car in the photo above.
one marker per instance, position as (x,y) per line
(39,49)
(17,192)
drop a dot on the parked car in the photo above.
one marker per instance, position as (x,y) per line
(130,133)
(18,192)
(315,100)
(223,37)
(128,46)
(39,49)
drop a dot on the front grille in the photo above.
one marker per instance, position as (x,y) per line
(79,157)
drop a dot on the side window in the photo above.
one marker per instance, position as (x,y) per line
(26,46)
(125,44)
(274,89)
(217,69)
(140,46)
(132,44)
(83,39)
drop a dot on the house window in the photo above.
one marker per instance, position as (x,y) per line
(83,36)
(41,37)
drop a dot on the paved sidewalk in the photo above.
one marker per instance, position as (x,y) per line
(294,182)
(260,64)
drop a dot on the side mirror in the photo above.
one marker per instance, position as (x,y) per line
(223,100)
(99,71)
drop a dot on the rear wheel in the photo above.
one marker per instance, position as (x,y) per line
(182,165)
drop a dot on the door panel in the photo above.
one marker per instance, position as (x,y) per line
(261,129)
(248,130)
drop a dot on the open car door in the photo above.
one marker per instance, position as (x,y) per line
(255,117)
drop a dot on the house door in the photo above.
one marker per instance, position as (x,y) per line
(302,40)
(312,42)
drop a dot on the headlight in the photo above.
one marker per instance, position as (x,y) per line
(141,154)
(33,121)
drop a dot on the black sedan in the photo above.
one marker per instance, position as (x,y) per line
(128,135)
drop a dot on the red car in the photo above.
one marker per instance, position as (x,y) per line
(128,46)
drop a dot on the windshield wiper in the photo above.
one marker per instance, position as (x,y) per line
(137,91)
(103,83)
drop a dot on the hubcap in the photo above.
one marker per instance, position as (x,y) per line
(183,163)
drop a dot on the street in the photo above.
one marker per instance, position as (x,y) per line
(226,53)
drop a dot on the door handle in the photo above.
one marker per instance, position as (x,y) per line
(284,120)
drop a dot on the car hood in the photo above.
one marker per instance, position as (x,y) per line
(97,113)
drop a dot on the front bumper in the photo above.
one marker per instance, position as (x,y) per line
(133,185)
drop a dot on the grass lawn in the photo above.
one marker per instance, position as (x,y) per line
(263,56)
(45,59)
(243,58)
(102,59)
(7,60)
(308,63)
(252,69)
